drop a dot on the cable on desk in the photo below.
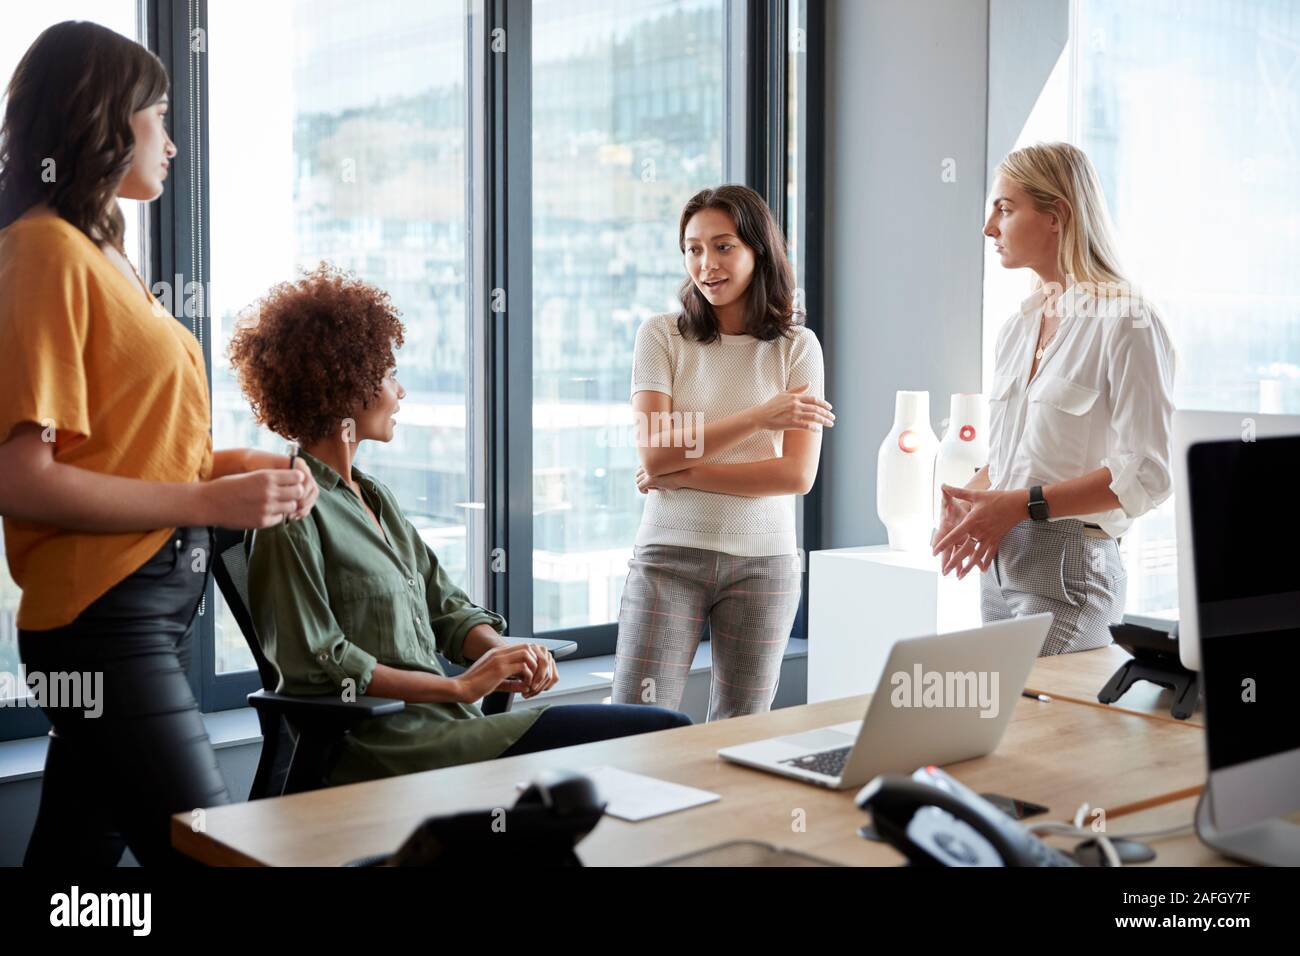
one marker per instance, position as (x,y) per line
(1102,838)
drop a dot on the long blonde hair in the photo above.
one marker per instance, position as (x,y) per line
(1061,179)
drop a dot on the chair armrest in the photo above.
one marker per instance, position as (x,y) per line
(559,648)
(306,711)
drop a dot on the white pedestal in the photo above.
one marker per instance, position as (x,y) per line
(861,600)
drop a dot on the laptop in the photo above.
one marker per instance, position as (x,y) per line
(941,698)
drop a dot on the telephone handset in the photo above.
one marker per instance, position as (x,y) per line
(934,820)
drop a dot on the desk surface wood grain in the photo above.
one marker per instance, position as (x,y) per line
(1078,677)
(1060,754)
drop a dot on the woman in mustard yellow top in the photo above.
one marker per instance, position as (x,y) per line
(108,482)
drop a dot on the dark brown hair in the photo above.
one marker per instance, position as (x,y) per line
(769,301)
(310,352)
(70,101)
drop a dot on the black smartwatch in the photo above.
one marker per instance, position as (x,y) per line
(1037,503)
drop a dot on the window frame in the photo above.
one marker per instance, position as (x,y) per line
(809,137)
(176,250)
(499,135)
(179,253)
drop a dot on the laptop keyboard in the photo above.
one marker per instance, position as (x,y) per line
(827,762)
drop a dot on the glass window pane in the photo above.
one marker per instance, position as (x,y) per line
(1215,235)
(347,143)
(23,23)
(628,123)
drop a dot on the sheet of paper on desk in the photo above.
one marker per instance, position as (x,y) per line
(633,796)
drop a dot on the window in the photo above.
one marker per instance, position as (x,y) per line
(1191,115)
(615,157)
(348,143)
(386,138)
(804,37)
(23,24)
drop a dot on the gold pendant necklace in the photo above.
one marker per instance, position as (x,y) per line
(1042,346)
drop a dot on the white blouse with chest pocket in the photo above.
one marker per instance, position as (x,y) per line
(1102,397)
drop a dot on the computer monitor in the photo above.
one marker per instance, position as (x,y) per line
(1190,428)
(1243,607)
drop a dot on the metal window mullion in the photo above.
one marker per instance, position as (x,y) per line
(478,430)
(171,215)
(508,158)
(198,185)
(765,84)
(216,692)
(812,210)
(196,273)
(179,256)
(812,219)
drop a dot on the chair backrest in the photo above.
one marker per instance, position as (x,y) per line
(278,741)
(231,572)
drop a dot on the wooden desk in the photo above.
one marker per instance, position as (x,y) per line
(1059,754)
(1079,677)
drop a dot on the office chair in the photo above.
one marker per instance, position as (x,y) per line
(300,734)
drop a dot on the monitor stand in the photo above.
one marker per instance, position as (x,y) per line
(1273,842)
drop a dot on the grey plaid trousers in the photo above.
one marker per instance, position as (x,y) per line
(1054,566)
(748,603)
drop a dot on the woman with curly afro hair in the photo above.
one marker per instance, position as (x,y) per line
(351,600)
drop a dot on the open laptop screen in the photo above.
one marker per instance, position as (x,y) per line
(1246,543)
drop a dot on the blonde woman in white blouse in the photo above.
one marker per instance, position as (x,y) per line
(728,393)
(1080,412)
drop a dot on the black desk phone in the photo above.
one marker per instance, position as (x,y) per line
(934,820)
(547,821)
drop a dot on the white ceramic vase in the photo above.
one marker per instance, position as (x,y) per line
(905,474)
(965,446)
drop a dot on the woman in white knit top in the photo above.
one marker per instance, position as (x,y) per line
(729,402)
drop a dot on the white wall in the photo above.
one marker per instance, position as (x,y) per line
(906,90)
(1026,38)
(914,88)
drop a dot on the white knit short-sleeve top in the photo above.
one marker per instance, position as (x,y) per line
(715,380)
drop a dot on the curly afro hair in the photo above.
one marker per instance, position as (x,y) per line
(309,352)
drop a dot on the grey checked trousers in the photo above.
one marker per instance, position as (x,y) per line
(1054,566)
(672,592)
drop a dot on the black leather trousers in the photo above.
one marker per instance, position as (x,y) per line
(114,778)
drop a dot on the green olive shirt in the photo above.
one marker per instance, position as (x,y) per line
(331,597)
